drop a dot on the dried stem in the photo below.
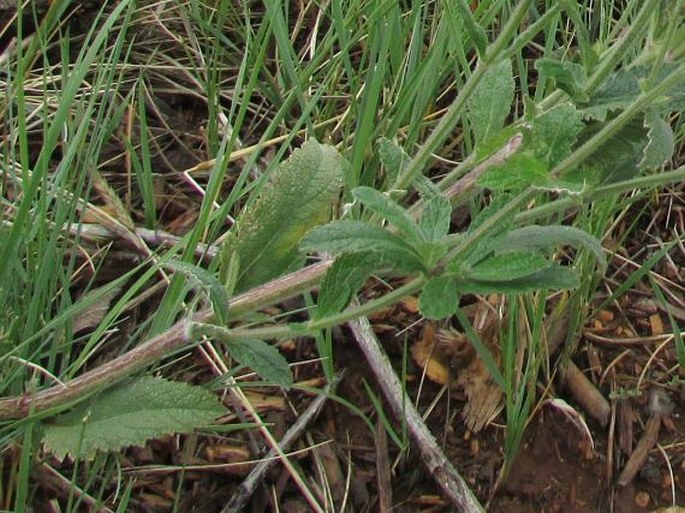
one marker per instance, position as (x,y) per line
(446,476)
(175,338)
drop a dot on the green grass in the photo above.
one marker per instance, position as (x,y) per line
(87,116)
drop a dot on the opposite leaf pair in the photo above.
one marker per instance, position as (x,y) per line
(505,260)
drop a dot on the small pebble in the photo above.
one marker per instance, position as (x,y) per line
(642,499)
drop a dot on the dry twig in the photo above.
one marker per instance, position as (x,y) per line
(446,476)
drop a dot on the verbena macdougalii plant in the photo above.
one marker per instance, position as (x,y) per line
(599,132)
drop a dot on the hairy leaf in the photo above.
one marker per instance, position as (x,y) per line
(297,198)
(490,103)
(435,218)
(432,252)
(535,237)
(383,205)
(508,267)
(393,157)
(568,76)
(550,278)
(129,414)
(427,189)
(474,253)
(342,281)
(555,132)
(661,143)
(263,358)
(341,237)
(618,92)
(439,298)
(519,171)
(614,161)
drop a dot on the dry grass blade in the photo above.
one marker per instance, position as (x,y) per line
(247,487)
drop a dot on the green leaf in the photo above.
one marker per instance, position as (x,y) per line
(617,159)
(661,145)
(474,253)
(489,106)
(617,93)
(341,237)
(342,281)
(263,358)
(432,252)
(425,187)
(568,76)
(473,29)
(383,205)
(508,267)
(497,140)
(535,237)
(393,157)
(624,86)
(674,100)
(439,298)
(298,197)
(520,170)
(218,294)
(129,414)
(435,218)
(555,132)
(551,278)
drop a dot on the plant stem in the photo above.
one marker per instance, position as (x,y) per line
(443,130)
(481,232)
(642,182)
(173,339)
(275,332)
(176,337)
(618,50)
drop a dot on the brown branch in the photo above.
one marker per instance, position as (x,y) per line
(175,338)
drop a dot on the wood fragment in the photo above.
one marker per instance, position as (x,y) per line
(383,469)
(587,395)
(660,407)
(646,443)
(66,487)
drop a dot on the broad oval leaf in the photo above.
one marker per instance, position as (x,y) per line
(519,171)
(508,267)
(436,218)
(129,414)
(555,132)
(298,197)
(535,237)
(489,106)
(439,298)
(393,157)
(552,278)
(263,358)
